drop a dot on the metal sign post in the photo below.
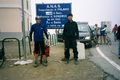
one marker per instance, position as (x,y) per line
(23,30)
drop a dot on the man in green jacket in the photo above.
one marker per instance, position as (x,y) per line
(70,36)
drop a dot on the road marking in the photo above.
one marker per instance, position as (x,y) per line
(109,60)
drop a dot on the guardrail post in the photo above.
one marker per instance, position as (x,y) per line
(12,39)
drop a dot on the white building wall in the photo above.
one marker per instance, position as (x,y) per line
(10,22)
(11,18)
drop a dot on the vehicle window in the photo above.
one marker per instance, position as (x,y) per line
(83,28)
(60,31)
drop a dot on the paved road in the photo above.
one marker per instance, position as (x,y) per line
(95,67)
(106,58)
(56,69)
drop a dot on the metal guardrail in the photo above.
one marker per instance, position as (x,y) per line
(3,46)
(53,39)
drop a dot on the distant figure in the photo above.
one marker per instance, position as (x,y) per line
(114,30)
(118,38)
(38,28)
(103,34)
(70,35)
(97,32)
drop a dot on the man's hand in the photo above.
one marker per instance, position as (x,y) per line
(47,42)
(77,40)
(63,41)
(31,43)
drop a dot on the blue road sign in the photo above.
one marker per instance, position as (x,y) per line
(54,16)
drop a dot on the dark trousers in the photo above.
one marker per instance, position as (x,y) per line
(71,44)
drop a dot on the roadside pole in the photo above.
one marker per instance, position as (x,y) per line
(23,30)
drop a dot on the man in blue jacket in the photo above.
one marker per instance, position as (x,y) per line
(39,29)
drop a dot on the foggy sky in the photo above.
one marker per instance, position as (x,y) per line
(93,11)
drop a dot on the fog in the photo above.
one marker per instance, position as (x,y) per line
(92,11)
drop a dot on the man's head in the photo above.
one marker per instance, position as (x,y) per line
(38,20)
(96,25)
(115,25)
(119,28)
(70,17)
(105,26)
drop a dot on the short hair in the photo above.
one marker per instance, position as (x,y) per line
(115,24)
(96,24)
(37,17)
(105,25)
(70,14)
(119,28)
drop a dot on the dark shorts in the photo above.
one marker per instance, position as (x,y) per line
(98,35)
(103,34)
(39,46)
